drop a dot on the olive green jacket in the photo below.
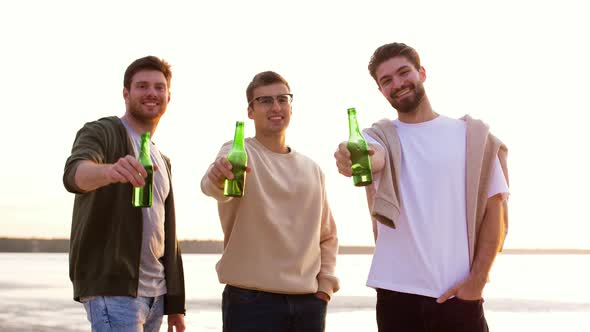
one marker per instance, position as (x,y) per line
(105,240)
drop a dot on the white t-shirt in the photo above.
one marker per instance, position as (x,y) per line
(427,253)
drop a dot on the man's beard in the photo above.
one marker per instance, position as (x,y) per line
(409,105)
(135,110)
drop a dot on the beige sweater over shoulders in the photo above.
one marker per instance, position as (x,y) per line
(481,150)
(280,236)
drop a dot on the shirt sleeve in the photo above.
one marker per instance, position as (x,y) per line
(327,280)
(90,144)
(209,188)
(376,175)
(498,184)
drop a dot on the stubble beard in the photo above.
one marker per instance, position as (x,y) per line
(410,105)
(135,110)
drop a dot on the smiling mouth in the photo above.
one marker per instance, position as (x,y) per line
(403,93)
(275,118)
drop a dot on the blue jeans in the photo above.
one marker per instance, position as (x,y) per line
(250,310)
(402,312)
(125,313)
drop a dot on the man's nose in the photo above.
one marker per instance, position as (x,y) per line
(397,83)
(275,104)
(152,91)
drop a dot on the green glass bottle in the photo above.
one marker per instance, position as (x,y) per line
(239,159)
(359,153)
(142,196)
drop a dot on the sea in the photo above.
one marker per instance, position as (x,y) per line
(526,292)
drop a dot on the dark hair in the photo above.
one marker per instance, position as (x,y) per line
(388,51)
(147,63)
(263,79)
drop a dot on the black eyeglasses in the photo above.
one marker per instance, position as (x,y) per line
(267,101)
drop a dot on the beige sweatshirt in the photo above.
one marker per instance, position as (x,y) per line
(280,236)
(481,151)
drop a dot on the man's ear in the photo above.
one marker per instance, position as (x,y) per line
(250,110)
(422,73)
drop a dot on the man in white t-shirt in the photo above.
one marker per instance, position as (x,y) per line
(438,203)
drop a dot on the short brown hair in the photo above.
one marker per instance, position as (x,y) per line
(388,51)
(147,63)
(263,79)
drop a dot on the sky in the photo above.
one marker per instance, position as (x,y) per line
(521,66)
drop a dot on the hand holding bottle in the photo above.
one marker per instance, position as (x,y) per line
(91,175)
(220,170)
(342,156)
(127,169)
(229,173)
(143,194)
(353,157)
(235,186)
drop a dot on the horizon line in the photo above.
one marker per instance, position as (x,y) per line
(357,247)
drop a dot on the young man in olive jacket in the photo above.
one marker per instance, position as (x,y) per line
(125,262)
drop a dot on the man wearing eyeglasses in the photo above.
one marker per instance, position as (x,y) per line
(280,242)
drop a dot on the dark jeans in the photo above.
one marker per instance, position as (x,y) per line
(401,312)
(250,310)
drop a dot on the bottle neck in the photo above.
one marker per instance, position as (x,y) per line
(353,125)
(239,136)
(144,153)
